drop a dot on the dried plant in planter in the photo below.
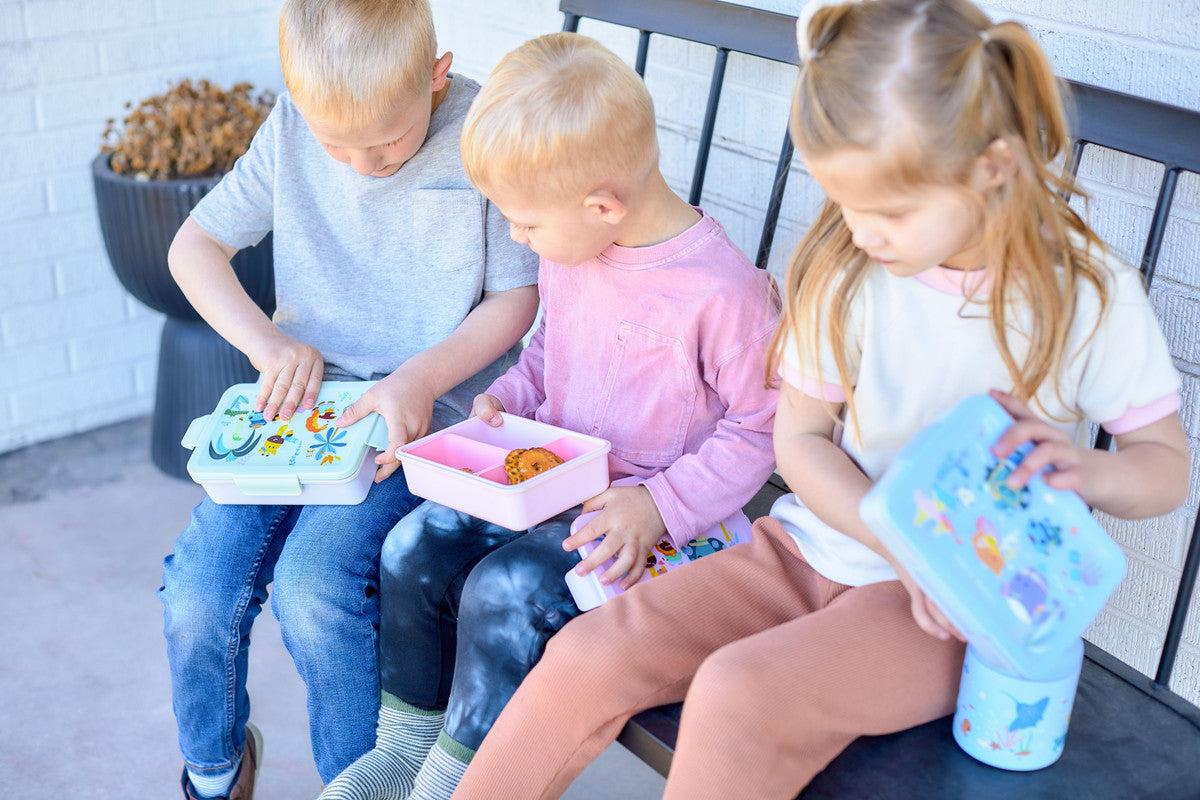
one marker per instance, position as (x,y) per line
(193,130)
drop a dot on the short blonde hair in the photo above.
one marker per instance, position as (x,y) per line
(352,62)
(562,115)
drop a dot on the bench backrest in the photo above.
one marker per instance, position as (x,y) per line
(1165,134)
(1170,136)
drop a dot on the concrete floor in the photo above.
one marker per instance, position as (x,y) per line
(85,704)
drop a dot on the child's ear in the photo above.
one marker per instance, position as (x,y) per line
(605,205)
(995,166)
(441,68)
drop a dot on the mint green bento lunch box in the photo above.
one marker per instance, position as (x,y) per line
(241,458)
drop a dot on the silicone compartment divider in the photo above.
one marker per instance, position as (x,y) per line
(487,460)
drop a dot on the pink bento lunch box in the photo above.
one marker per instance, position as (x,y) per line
(435,465)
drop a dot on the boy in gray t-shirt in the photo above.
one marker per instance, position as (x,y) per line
(389,265)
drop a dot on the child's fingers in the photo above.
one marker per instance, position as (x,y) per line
(1027,430)
(604,551)
(1064,479)
(385,471)
(1053,454)
(634,574)
(488,409)
(941,621)
(313,388)
(279,390)
(1016,409)
(587,533)
(627,563)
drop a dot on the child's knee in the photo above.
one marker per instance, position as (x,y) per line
(511,579)
(194,613)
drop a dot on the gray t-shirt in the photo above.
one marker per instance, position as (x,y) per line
(371,271)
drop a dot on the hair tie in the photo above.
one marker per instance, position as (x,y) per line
(809,53)
(985,36)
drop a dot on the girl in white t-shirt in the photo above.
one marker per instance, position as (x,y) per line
(945,263)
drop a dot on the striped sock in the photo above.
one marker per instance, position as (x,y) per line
(442,770)
(402,739)
(206,784)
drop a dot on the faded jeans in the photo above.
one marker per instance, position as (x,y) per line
(324,561)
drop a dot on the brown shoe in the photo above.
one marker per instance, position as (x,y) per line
(243,784)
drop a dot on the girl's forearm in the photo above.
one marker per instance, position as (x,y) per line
(1139,480)
(830,484)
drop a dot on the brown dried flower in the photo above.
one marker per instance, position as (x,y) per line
(192,130)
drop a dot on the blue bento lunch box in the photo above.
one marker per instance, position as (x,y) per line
(1021,573)
(241,458)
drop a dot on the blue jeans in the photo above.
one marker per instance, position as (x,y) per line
(324,561)
(468,607)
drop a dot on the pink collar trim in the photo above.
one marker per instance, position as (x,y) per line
(957,282)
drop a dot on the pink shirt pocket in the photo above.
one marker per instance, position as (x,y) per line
(648,397)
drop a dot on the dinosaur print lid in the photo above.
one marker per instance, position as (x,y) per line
(272,457)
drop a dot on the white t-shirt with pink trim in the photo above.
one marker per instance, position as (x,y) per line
(917,346)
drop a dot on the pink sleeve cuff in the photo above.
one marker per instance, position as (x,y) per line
(1142,416)
(832,392)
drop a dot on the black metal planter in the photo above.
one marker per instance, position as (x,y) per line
(138,220)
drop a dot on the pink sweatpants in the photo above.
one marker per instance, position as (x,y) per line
(779,670)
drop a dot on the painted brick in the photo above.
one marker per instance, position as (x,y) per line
(72,395)
(177,10)
(35,154)
(47,18)
(17,114)
(63,317)
(128,342)
(1127,638)
(1177,317)
(64,59)
(22,199)
(1185,679)
(1190,410)
(133,51)
(1158,540)
(12,23)
(35,239)
(71,190)
(17,67)
(83,272)
(31,364)
(26,284)
(1146,593)
(145,375)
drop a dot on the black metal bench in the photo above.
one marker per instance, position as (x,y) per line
(1130,736)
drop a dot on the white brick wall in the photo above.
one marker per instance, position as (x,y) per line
(77,352)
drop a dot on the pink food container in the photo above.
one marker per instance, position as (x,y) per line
(435,468)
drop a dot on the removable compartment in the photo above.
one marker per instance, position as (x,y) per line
(461,453)
(432,468)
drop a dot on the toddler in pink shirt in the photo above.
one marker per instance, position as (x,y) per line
(653,335)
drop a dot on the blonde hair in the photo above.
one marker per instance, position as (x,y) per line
(353,62)
(560,115)
(931,84)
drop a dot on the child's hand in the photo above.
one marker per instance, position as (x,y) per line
(488,407)
(291,376)
(1052,447)
(925,612)
(630,525)
(406,405)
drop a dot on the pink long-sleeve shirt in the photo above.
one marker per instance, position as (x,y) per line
(661,350)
